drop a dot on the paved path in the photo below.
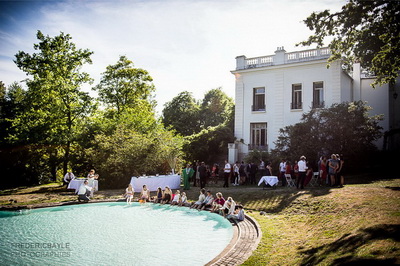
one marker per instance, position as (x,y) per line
(247,235)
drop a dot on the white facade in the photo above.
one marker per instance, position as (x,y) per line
(274,91)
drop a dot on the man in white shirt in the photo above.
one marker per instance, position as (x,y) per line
(282,170)
(261,168)
(84,191)
(302,172)
(68,177)
(227,173)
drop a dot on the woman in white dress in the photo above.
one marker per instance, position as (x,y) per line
(129,194)
(145,194)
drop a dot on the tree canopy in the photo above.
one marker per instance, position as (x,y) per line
(122,85)
(54,104)
(342,128)
(53,122)
(363,31)
(207,124)
(182,114)
(188,116)
(216,108)
(126,94)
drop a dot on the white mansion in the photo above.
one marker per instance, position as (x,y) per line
(274,91)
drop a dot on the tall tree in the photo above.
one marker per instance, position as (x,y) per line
(127,94)
(56,104)
(122,85)
(182,114)
(216,108)
(364,31)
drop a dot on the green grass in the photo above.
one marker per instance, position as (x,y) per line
(359,223)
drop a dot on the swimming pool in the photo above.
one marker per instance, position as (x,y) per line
(112,233)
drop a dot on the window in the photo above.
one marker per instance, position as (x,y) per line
(258,136)
(258,99)
(318,95)
(296,97)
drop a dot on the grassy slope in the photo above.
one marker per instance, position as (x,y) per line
(356,224)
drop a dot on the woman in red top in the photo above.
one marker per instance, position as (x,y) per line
(296,170)
(288,168)
(218,202)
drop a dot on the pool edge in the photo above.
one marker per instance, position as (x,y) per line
(246,235)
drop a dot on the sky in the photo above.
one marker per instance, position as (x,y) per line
(185,45)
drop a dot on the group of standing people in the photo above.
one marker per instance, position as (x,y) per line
(330,171)
(332,168)
(199,174)
(235,174)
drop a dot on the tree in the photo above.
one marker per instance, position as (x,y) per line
(216,108)
(182,114)
(55,104)
(126,153)
(209,144)
(363,31)
(11,103)
(126,93)
(187,116)
(342,128)
(123,85)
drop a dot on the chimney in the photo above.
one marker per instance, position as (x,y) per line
(279,55)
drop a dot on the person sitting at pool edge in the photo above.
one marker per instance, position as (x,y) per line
(167,195)
(201,199)
(228,208)
(159,197)
(183,200)
(129,194)
(208,201)
(144,194)
(177,197)
(238,215)
(84,192)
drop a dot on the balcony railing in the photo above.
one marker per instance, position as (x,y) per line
(319,104)
(259,108)
(292,57)
(296,105)
(258,147)
(308,55)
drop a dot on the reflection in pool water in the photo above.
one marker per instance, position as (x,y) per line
(112,234)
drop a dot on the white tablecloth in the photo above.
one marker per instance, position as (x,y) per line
(153,182)
(270,180)
(76,183)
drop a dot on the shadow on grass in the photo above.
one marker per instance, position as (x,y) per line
(58,189)
(275,200)
(394,188)
(42,189)
(348,244)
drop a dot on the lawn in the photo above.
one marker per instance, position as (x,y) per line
(358,223)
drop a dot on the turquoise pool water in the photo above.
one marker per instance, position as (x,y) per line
(112,234)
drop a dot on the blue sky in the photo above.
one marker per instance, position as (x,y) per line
(185,45)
